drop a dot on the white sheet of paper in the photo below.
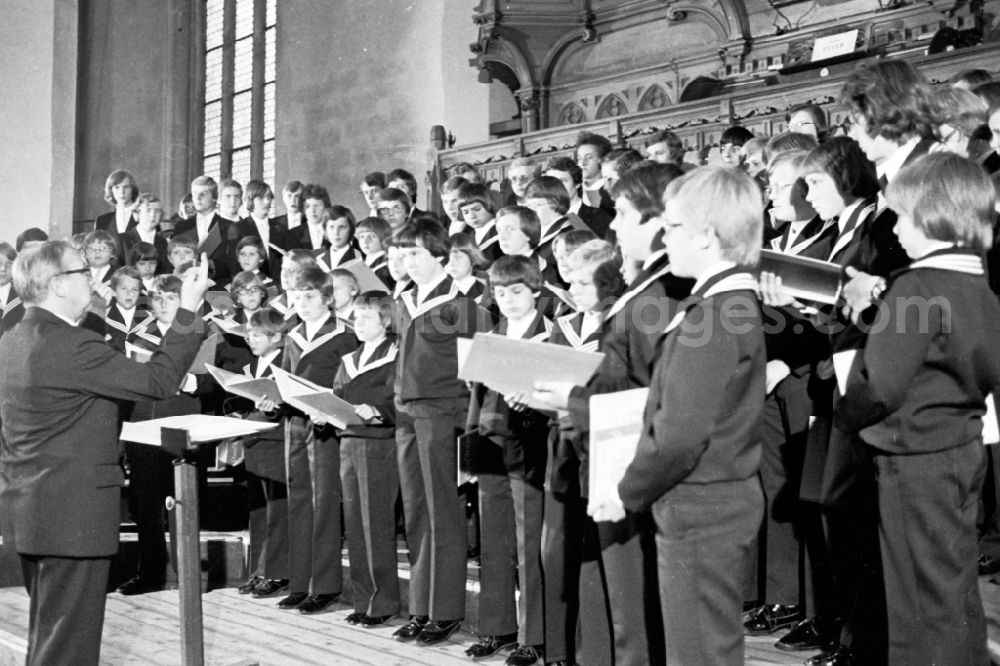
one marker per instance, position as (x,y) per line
(991,428)
(202,428)
(842,362)
(615,426)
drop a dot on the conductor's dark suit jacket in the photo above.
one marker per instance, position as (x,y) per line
(60,391)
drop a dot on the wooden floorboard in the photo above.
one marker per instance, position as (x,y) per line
(240,630)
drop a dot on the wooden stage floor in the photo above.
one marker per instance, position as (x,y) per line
(242,631)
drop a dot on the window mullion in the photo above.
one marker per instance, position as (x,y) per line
(228,77)
(257,103)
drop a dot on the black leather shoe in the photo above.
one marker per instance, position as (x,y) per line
(487,646)
(411,629)
(524,655)
(369,621)
(438,631)
(292,600)
(808,634)
(355,617)
(842,656)
(250,585)
(317,603)
(769,619)
(270,587)
(137,585)
(988,565)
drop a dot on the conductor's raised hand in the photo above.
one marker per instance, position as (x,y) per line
(195,284)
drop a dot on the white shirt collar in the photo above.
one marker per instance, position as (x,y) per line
(368,348)
(482,231)
(574,206)
(891,166)
(316,234)
(146,236)
(337,255)
(714,270)
(424,289)
(311,327)
(653,258)
(264,362)
(5,293)
(263,229)
(122,217)
(591,324)
(203,222)
(517,329)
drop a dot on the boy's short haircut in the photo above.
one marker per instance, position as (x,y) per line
(30,235)
(378,300)
(344,274)
(375,179)
(795,158)
(314,277)
(466,244)
(948,197)
(591,254)
(893,98)
(147,198)
(818,116)
(377,226)
(7,250)
(453,184)
(675,146)
(608,281)
(962,109)
(971,77)
(336,212)
(117,177)
(101,236)
(779,143)
(527,220)
(256,188)
(573,239)
(394,195)
(406,177)
(471,193)
(737,135)
(515,269)
(755,145)
(295,187)
(181,241)
(143,251)
(252,241)
(206,181)
(623,159)
(551,189)
(643,187)
(246,280)
(725,201)
(316,192)
(602,143)
(467,171)
(268,321)
(565,164)
(299,258)
(125,272)
(167,284)
(426,234)
(229,182)
(842,159)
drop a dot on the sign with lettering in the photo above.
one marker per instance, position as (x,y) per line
(832,46)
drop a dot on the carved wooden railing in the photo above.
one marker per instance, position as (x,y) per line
(699,124)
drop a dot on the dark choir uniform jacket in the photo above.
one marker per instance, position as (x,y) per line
(218,230)
(597,220)
(370,383)
(318,359)
(301,238)
(324,257)
(150,338)
(630,339)
(428,360)
(60,481)
(544,248)
(131,238)
(281,304)
(919,385)
(276,237)
(488,241)
(118,331)
(702,419)
(109,222)
(258,368)
(11,311)
(562,470)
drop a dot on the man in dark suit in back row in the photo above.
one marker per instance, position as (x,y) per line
(59,473)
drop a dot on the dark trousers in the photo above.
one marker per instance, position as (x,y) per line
(785,429)
(620,615)
(312,460)
(435,516)
(704,535)
(370,480)
(927,533)
(66,613)
(561,539)
(151,481)
(511,478)
(267,494)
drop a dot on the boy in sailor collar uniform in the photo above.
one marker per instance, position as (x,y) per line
(368,468)
(435,403)
(698,454)
(614,569)
(264,457)
(916,395)
(313,350)
(511,469)
(295,261)
(476,205)
(564,508)
(371,235)
(124,317)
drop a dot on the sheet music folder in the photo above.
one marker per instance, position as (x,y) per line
(802,277)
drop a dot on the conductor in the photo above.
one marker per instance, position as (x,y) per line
(60,389)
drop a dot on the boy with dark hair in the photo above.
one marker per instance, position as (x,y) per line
(732,139)
(124,318)
(230,198)
(511,471)
(311,235)
(571,176)
(590,150)
(395,206)
(149,211)
(449,201)
(373,183)
(291,197)
(476,204)
(401,179)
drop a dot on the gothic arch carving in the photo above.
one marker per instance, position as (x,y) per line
(611,106)
(655,97)
(496,48)
(726,18)
(585,34)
